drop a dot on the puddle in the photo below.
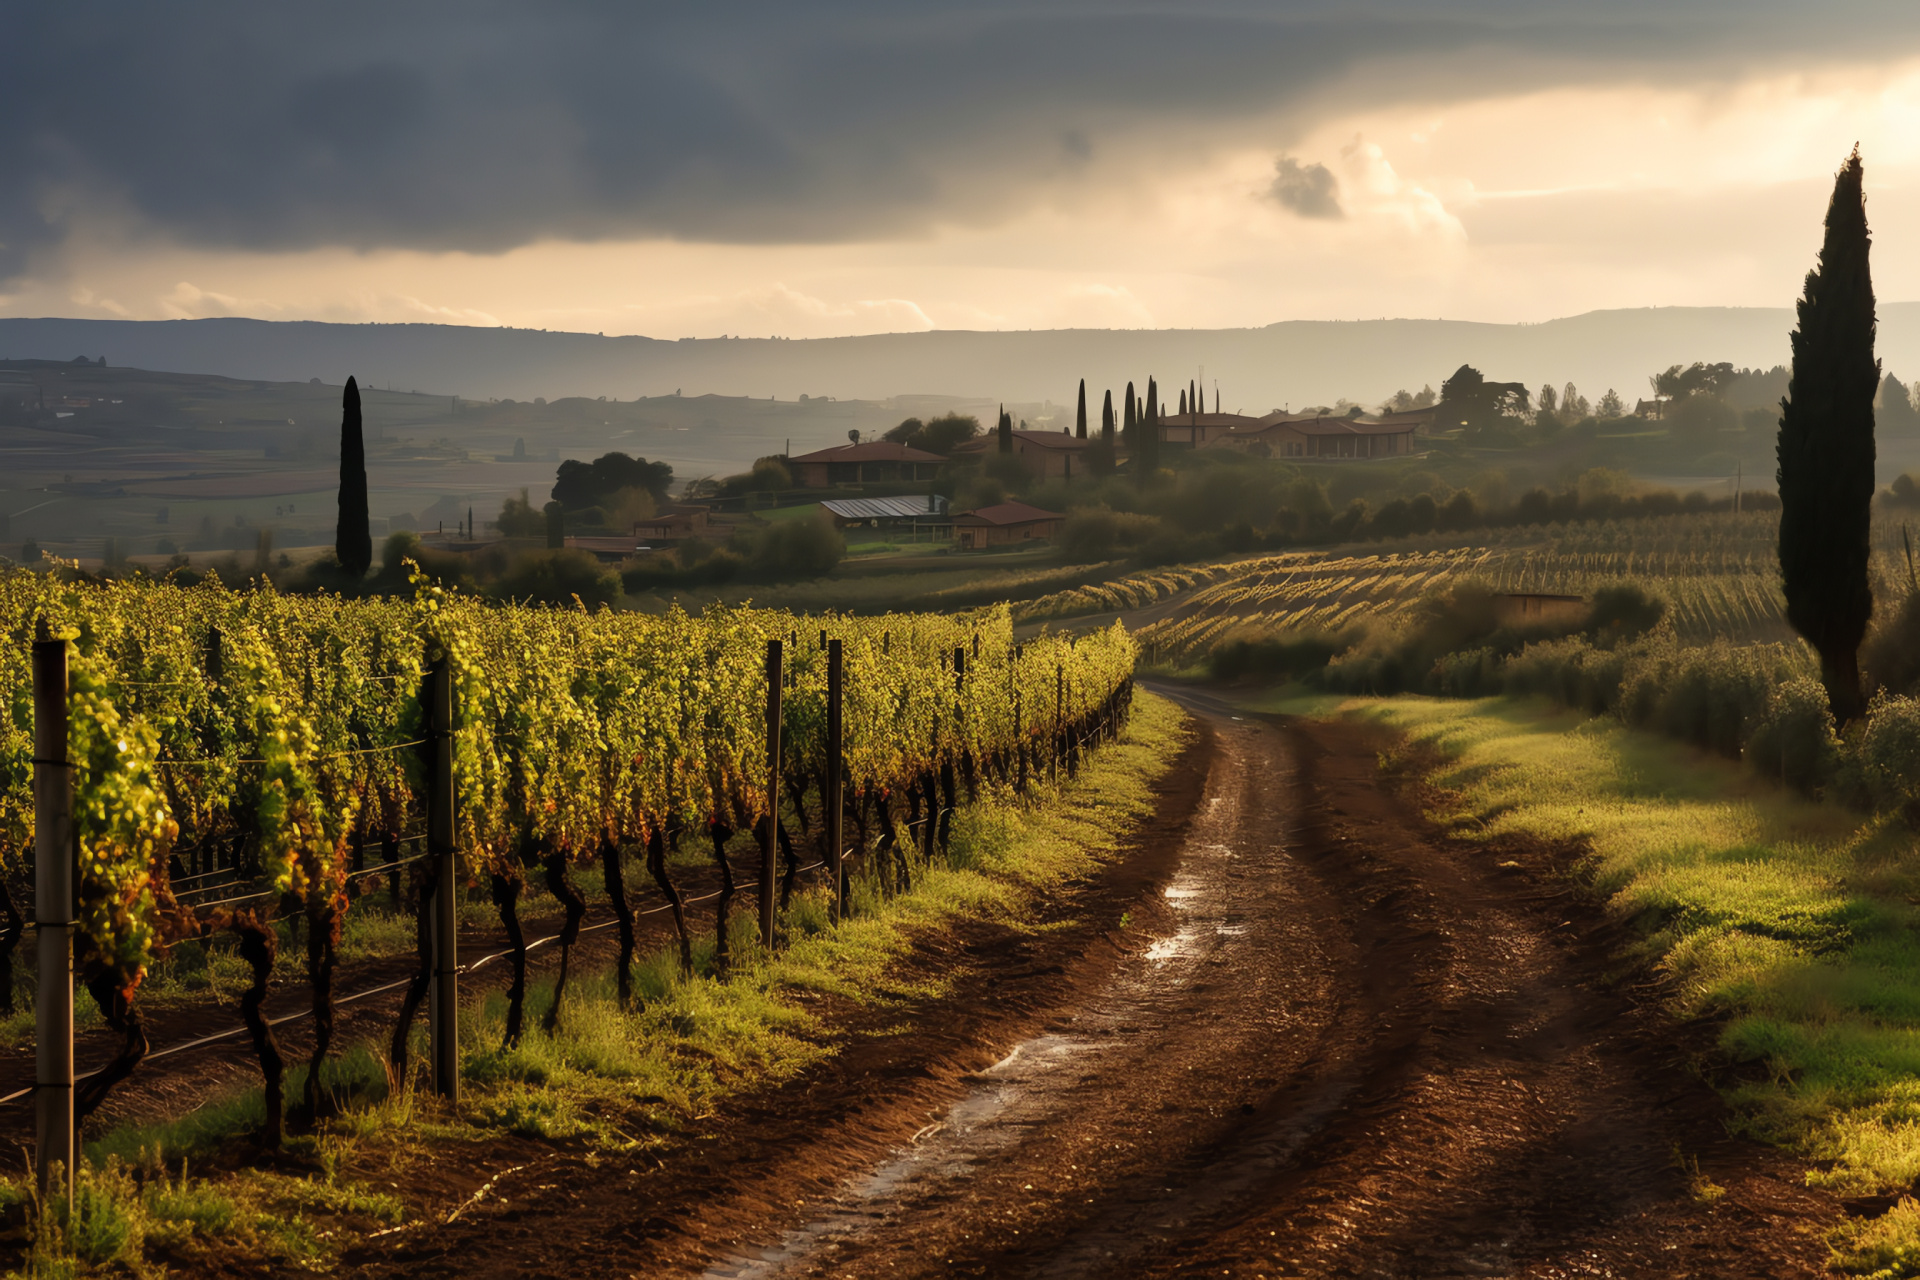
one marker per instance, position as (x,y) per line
(1208,896)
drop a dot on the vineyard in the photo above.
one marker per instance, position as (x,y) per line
(1718,573)
(240,763)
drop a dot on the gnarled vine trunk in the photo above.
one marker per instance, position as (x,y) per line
(258,946)
(425,889)
(657,868)
(505,889)
(560,885)
(323,939)
(121,1015)
(616,882)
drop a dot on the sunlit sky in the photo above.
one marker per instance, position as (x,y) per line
(1523,170)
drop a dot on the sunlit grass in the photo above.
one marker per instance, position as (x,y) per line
(1792,922)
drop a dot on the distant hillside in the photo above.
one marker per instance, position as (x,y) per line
(1292,363)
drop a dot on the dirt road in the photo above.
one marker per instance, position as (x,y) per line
(1295,1035)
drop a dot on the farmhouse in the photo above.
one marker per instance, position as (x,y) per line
(1284,435)
(1049,455)
(1004,523)
(877,462)
(1196,430)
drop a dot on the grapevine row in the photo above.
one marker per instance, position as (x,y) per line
(224,740)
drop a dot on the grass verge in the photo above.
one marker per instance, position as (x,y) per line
(1793,924)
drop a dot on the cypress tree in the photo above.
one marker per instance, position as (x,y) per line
(1146,459)
(353,535)
(1005,430)
(1183,404)
(1106,417)
(1826,450)
(1080,414)
(1130,431)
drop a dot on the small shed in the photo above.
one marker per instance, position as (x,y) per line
(914,513)
(1004,523)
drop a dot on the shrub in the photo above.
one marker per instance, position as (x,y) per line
(1793,740)
(1624,612)
(1891,654)
(556,577)
(1099,532)
(1277,657)
(1713,696)
(789,549)
(1890,756)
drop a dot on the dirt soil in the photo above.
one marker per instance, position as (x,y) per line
(1293,1032)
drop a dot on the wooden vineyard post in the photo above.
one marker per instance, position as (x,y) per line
(53,905)
(443,997)
(769,846)
(834,801)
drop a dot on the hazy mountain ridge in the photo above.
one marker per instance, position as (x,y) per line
(1291,363)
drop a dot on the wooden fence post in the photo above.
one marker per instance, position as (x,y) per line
(443,1003)
(53,909)
(769,846)
(834,801)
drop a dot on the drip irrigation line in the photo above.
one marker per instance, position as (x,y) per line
(470,967)
(227,871)
(377,869)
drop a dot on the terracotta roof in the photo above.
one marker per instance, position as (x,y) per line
(1045,439)
(876,451)
(1009,513)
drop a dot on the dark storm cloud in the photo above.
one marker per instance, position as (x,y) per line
(484,125)
(1310,190)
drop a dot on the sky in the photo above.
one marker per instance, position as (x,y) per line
(811,169)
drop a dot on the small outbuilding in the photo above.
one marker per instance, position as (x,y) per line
(673,524)
(915,514)
(1004,523)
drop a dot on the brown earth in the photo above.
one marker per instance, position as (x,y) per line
(1293,1032)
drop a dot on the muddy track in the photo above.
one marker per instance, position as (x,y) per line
(1294,1033)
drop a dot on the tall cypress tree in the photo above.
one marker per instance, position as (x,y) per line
(1106,417)
(1130,430)
(1080,414)
(1004,428)
(1826,450)
(353,536)
(1146,457)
